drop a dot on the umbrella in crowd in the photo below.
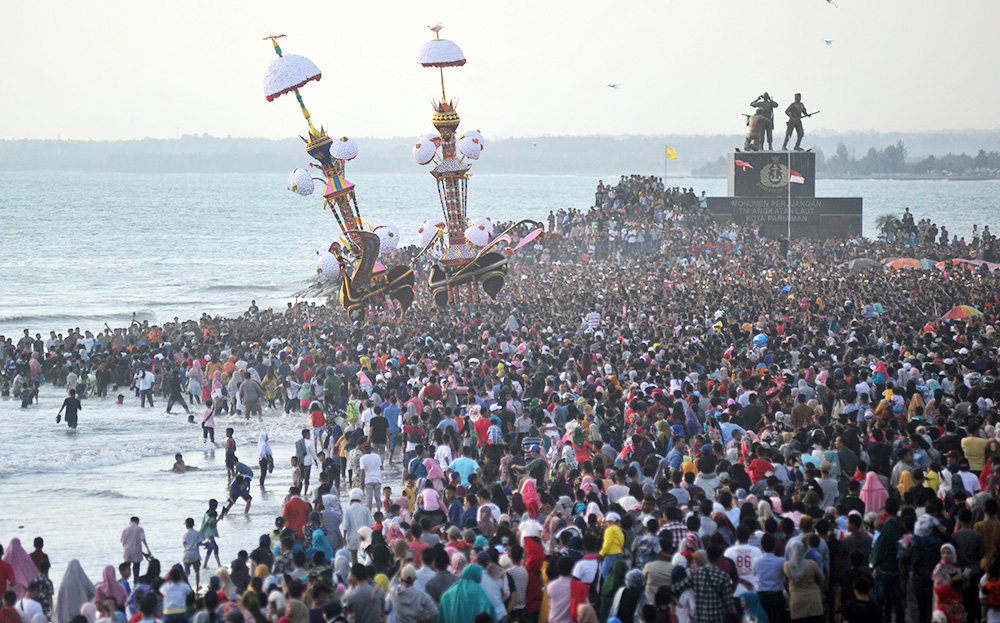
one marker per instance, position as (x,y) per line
(862,263)
(960,312)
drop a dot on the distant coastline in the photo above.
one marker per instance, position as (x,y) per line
(597,156)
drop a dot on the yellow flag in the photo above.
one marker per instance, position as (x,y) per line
(671,153)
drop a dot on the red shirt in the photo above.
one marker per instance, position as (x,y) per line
(7,577)
(9,614)
(296,514)
(318,419)
(482,426)
(418,547)
(432,392)
(757,469)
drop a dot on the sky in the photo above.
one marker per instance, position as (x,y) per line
(128,69)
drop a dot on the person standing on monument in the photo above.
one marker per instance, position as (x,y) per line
(796,112)
(765,106)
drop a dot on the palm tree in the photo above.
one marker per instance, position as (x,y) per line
(887,222)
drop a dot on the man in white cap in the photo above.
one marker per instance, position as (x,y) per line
(356,516)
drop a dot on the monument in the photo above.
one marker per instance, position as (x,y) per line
(776,190)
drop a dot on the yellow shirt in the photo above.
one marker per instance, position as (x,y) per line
(975,450)
(614,540)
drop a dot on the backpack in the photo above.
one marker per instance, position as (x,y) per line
(352,412)
(957,486)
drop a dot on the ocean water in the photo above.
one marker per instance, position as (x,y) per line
(88,249)
(83,250)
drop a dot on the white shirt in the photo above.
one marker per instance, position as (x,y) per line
(970,482)
(366,418)
(146,380)
(443,454)
(28,609)
(371,463)
(745,557)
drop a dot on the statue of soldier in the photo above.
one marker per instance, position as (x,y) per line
(765,107)
(796,112)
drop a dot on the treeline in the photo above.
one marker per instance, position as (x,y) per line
(890,161)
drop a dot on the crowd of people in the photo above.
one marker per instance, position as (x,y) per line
(698,425)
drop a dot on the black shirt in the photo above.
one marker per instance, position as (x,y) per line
(855,611)
(72,406)
(379,429)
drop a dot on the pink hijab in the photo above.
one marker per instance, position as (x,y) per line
(110,588)
(196,371)
(530,496)
(873,493)
(433,469)
(24,569)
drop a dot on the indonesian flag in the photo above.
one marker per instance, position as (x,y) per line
(795,177)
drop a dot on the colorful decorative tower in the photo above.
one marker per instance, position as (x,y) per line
(366,282)
(463,242)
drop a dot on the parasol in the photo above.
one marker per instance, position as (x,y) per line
(760,339)
(288,73)
(904,262)
(960,312)
(862,263)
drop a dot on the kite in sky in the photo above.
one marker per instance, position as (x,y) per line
(614,86)
(745,165)
(833,3)
(828,41)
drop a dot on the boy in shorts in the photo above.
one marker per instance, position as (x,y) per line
(192,558)
(240,488)
(231,459)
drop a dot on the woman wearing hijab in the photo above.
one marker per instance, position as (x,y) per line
(805,601)
(24,569)
(532,502)
(465,598)
(89,612)
(487,525)
(499,497)
(885,561)
(196,378)
(75,590)
(220,391)
(630,598)
(265,457)
(753,611)
(873,493)
(610,587)
(297,611)
(342,566)
(110,587)
(378,552)
(494,581)
(946,569)
(320,544)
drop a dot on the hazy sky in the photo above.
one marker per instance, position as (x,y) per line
(122,69)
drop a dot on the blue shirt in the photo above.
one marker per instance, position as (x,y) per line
(455,512)
(391,413)
(464,466)
(727,431)
(770,575)
(674,458)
